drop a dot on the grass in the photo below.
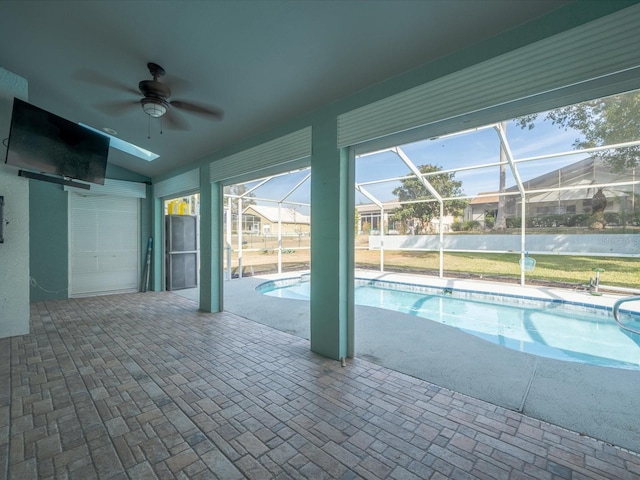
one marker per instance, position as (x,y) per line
(571,270)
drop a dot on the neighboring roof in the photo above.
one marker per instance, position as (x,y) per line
(583,172)
(372,207)
(586,171)
(492,197)
(288,214)
(574,195)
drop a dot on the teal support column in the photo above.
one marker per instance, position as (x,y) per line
(146,206)
(157,229)
(211,273)
(348,187)
(332,227)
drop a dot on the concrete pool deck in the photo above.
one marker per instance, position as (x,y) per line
(600,402)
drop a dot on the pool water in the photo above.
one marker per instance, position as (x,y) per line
(553,329)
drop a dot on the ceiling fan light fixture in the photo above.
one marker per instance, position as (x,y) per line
(154,107)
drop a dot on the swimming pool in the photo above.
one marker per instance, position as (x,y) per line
(550,328)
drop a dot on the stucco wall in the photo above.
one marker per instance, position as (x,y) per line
(14,252)
(49,224)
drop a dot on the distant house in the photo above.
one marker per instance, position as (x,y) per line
(263,220)
(484,203)
(370,220)
(370,217)
(566,190)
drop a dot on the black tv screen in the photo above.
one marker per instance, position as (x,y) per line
(43,142)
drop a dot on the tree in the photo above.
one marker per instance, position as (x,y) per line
(238,190)
(424,212)
(603,121)
(598,206)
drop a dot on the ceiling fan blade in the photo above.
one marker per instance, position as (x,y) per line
(174,121)
(95,78)
(208,111)
(118,107)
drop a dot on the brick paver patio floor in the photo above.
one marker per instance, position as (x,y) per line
(142,386)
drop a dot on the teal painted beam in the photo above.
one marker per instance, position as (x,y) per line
(157,227)
(211,274)
(349,179)
(146,231)
(331,261)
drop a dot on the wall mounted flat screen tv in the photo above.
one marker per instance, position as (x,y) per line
(43,142)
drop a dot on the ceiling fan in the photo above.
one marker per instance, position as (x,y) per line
(155,98)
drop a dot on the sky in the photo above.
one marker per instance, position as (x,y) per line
(473,148)
(463,150)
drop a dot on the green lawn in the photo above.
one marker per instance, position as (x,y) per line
(569,271)
(572,270)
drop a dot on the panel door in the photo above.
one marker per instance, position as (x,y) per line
(182,251)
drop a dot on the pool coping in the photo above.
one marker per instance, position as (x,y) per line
(409,282)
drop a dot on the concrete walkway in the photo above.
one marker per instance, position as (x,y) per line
(597,401)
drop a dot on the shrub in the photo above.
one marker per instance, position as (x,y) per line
(469,225)
(465,226)
(456,226)
(612,218)
(514,222)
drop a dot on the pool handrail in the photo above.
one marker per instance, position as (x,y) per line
(616,311)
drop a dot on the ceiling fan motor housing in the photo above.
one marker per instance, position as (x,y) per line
(154,106)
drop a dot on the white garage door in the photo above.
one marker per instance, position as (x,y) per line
(103,244)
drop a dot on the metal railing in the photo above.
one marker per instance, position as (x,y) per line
(616,313)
